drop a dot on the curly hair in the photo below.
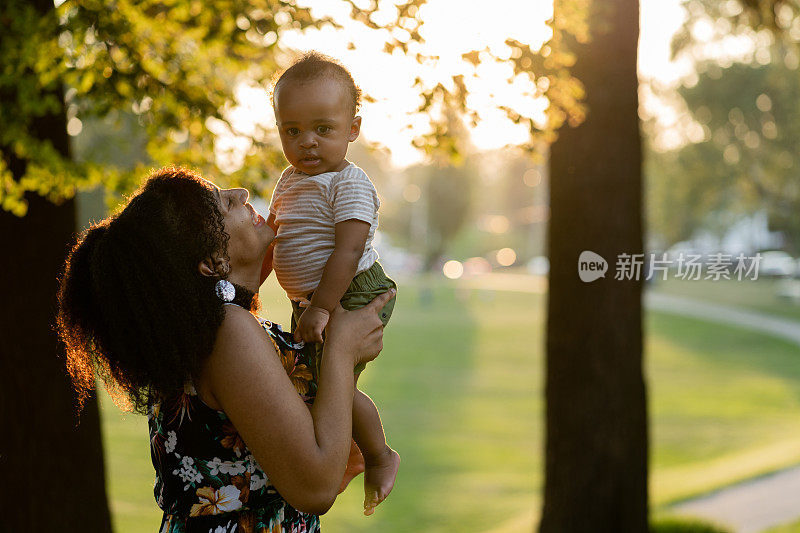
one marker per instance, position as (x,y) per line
(313,66)
(133,308)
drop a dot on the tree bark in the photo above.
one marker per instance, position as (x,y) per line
(596,418)
(52,467)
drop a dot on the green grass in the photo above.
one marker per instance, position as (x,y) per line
(755,295)
(459,387)
(723,405)
(129,473)
(684,525)
(794,527)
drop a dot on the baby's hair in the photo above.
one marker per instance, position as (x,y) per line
(313,66)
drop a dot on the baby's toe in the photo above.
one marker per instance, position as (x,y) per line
(371,501)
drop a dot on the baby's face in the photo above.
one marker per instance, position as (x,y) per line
(316,124)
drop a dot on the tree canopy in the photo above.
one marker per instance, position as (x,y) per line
(175,66)
(741,110)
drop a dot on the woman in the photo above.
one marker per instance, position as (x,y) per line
(157,299)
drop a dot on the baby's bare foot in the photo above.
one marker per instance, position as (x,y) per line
(379,477)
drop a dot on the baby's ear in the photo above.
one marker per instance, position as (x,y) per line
(355,129)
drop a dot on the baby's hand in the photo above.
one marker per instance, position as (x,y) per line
(311,324)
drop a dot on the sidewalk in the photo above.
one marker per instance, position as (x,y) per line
(723,314)
(751,506)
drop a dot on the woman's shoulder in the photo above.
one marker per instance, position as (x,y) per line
(241,327)
(239,320)
(237,326)
(248,345)
(240,348)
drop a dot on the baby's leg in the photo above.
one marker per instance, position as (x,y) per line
(355,465)
(380,460)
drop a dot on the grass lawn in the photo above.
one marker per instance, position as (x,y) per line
(459,387)
(723,405)
(788,528)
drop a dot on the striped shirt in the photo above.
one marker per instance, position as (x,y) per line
(306,210)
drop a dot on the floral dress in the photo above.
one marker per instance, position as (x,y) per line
(206,478)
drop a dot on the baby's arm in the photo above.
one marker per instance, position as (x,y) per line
(266,265)
(350,239)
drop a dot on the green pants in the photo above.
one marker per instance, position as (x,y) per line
(362,290)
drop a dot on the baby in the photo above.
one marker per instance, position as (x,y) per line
(325,210)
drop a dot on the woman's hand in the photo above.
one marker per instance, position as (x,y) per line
(358,332)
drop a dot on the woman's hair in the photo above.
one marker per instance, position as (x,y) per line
(132,306)
(313,66)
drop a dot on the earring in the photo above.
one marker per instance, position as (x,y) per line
(225,290)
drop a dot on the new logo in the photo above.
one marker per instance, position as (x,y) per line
(591,266)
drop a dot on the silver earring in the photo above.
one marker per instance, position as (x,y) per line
(225,290)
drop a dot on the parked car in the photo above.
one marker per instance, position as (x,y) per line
(789,289)
(777,263)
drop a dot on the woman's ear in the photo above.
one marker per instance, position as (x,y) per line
(205,269)
(213,267)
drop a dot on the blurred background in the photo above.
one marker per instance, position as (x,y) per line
(463,102)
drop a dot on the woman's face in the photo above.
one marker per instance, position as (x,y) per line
(249,233)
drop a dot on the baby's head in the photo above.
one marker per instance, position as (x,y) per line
(315,102)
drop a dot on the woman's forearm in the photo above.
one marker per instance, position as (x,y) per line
(332,416)
(303,451)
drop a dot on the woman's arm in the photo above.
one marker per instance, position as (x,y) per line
(303,452)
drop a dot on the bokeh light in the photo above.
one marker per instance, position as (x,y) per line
(532,177)
(74,126)
(494,223)
(453,269)
(412,193)
(476,266)
(498,224)
(506,257)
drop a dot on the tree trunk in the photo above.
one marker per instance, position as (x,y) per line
(52,467)
(596,443)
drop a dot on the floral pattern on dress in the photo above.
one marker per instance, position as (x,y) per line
(206,478)
(299,373)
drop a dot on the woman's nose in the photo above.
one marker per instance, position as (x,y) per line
(244,194)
